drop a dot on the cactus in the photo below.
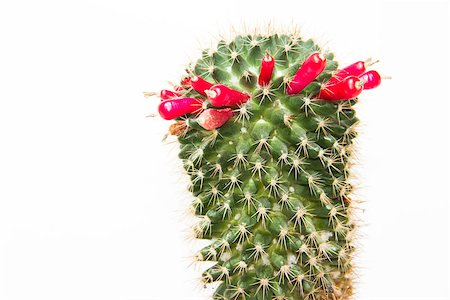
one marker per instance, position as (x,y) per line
(266,125)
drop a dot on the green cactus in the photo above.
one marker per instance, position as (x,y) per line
(271,186)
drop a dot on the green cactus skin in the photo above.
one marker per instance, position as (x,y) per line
(271,186)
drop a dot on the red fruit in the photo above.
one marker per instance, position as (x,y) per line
(200,85)
(308,71)
(348,88)
(214,118)
(371,79)
(267,66)
(355,69)
(221,95)
(174,108)
(178,88)
(166,94)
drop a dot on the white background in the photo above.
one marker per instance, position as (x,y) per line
(92,203)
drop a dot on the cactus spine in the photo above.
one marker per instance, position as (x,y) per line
(269,167)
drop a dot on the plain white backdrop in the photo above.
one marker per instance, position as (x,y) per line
(92,203)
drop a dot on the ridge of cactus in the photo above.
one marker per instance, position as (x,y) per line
(266,127)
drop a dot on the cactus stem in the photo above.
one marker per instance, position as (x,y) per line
(269,165)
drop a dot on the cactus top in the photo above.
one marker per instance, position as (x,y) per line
(268,155)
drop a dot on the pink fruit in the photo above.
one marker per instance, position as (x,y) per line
(348,88)
(200,85)
(174,108)
(221,95)
(308,71)
(371,79)
(166,94)
(214,118)
(267,66)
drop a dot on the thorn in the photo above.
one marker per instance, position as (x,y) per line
(165,137)
(149,94)
(170,83)
(369,62)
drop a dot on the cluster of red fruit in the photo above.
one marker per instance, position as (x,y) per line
(346,83)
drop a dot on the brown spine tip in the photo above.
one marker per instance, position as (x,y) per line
(178,128)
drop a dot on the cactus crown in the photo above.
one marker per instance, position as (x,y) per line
(271,178)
